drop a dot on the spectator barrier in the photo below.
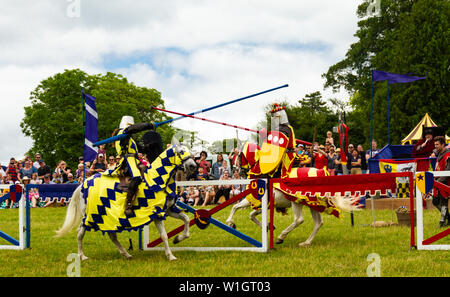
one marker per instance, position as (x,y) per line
(427,243)
(15,194)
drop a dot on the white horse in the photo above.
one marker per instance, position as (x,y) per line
(180,158)
(282,203)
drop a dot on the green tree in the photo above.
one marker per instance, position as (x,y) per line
(54,118)
(407,36)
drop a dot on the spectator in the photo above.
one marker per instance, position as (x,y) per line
(223,190)
(193,196)
(209,194)
(224,168)
(373,152)
(33,194)
(99,164)
(425,146)
(355,161)
(101,150)
(48,181)
(61,171)
(12,170)
(320,157)
(56,179)
(43,170)
(362,154)
(233,155)
(111,163)
(70,179)
(79,171)
(332,156)
(27,170)
(8,181)
(203,163)
(182,194)
(36,164)
(2,172)
(236,189)
(35,179)
(329,138)
(215,167)
(142,159)
(337,163)
(346,169)
(201,175)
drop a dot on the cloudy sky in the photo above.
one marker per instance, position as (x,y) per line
(196,53)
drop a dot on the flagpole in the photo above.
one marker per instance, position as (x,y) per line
(388,114)
(371,112)
(84,131)
(371,139)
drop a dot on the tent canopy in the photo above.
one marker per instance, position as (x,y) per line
(416,133)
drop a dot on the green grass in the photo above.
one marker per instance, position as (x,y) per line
(338,250)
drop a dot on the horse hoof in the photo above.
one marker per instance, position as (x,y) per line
(84,258)
(172,258)
(176,240)
(304,244)
(279,241)
(233,225)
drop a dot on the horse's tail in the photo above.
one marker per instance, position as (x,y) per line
(346,203)
(73,214)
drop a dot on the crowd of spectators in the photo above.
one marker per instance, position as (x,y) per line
(329,156)
(209,170)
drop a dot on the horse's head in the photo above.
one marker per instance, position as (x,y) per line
(184,159)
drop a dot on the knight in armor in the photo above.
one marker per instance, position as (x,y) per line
(277,153)
(129,164)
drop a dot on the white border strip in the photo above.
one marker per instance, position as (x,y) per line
(419,219)
(22,202)
(264,220)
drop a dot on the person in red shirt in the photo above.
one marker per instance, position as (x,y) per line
(425,146)
(441,195)
(320,157)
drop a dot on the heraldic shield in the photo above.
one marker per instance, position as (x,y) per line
(272,151)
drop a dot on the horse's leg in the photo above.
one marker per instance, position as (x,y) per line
(318,222)
(298,219)
(162,233)
(80,235)
(185,219)
(243,204)
(123,252)
(253,215)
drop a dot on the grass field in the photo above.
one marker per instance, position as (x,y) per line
(338,250)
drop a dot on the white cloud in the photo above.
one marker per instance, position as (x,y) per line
(196,53)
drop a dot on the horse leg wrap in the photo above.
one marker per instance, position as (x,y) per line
(444,214)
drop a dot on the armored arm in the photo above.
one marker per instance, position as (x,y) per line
(139,127)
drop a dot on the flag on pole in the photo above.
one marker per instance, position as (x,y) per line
(394,78)
(91,128)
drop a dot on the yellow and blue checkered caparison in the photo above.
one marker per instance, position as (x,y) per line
(105,202)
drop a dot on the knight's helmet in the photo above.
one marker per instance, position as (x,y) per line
(126,121)
(278,116)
